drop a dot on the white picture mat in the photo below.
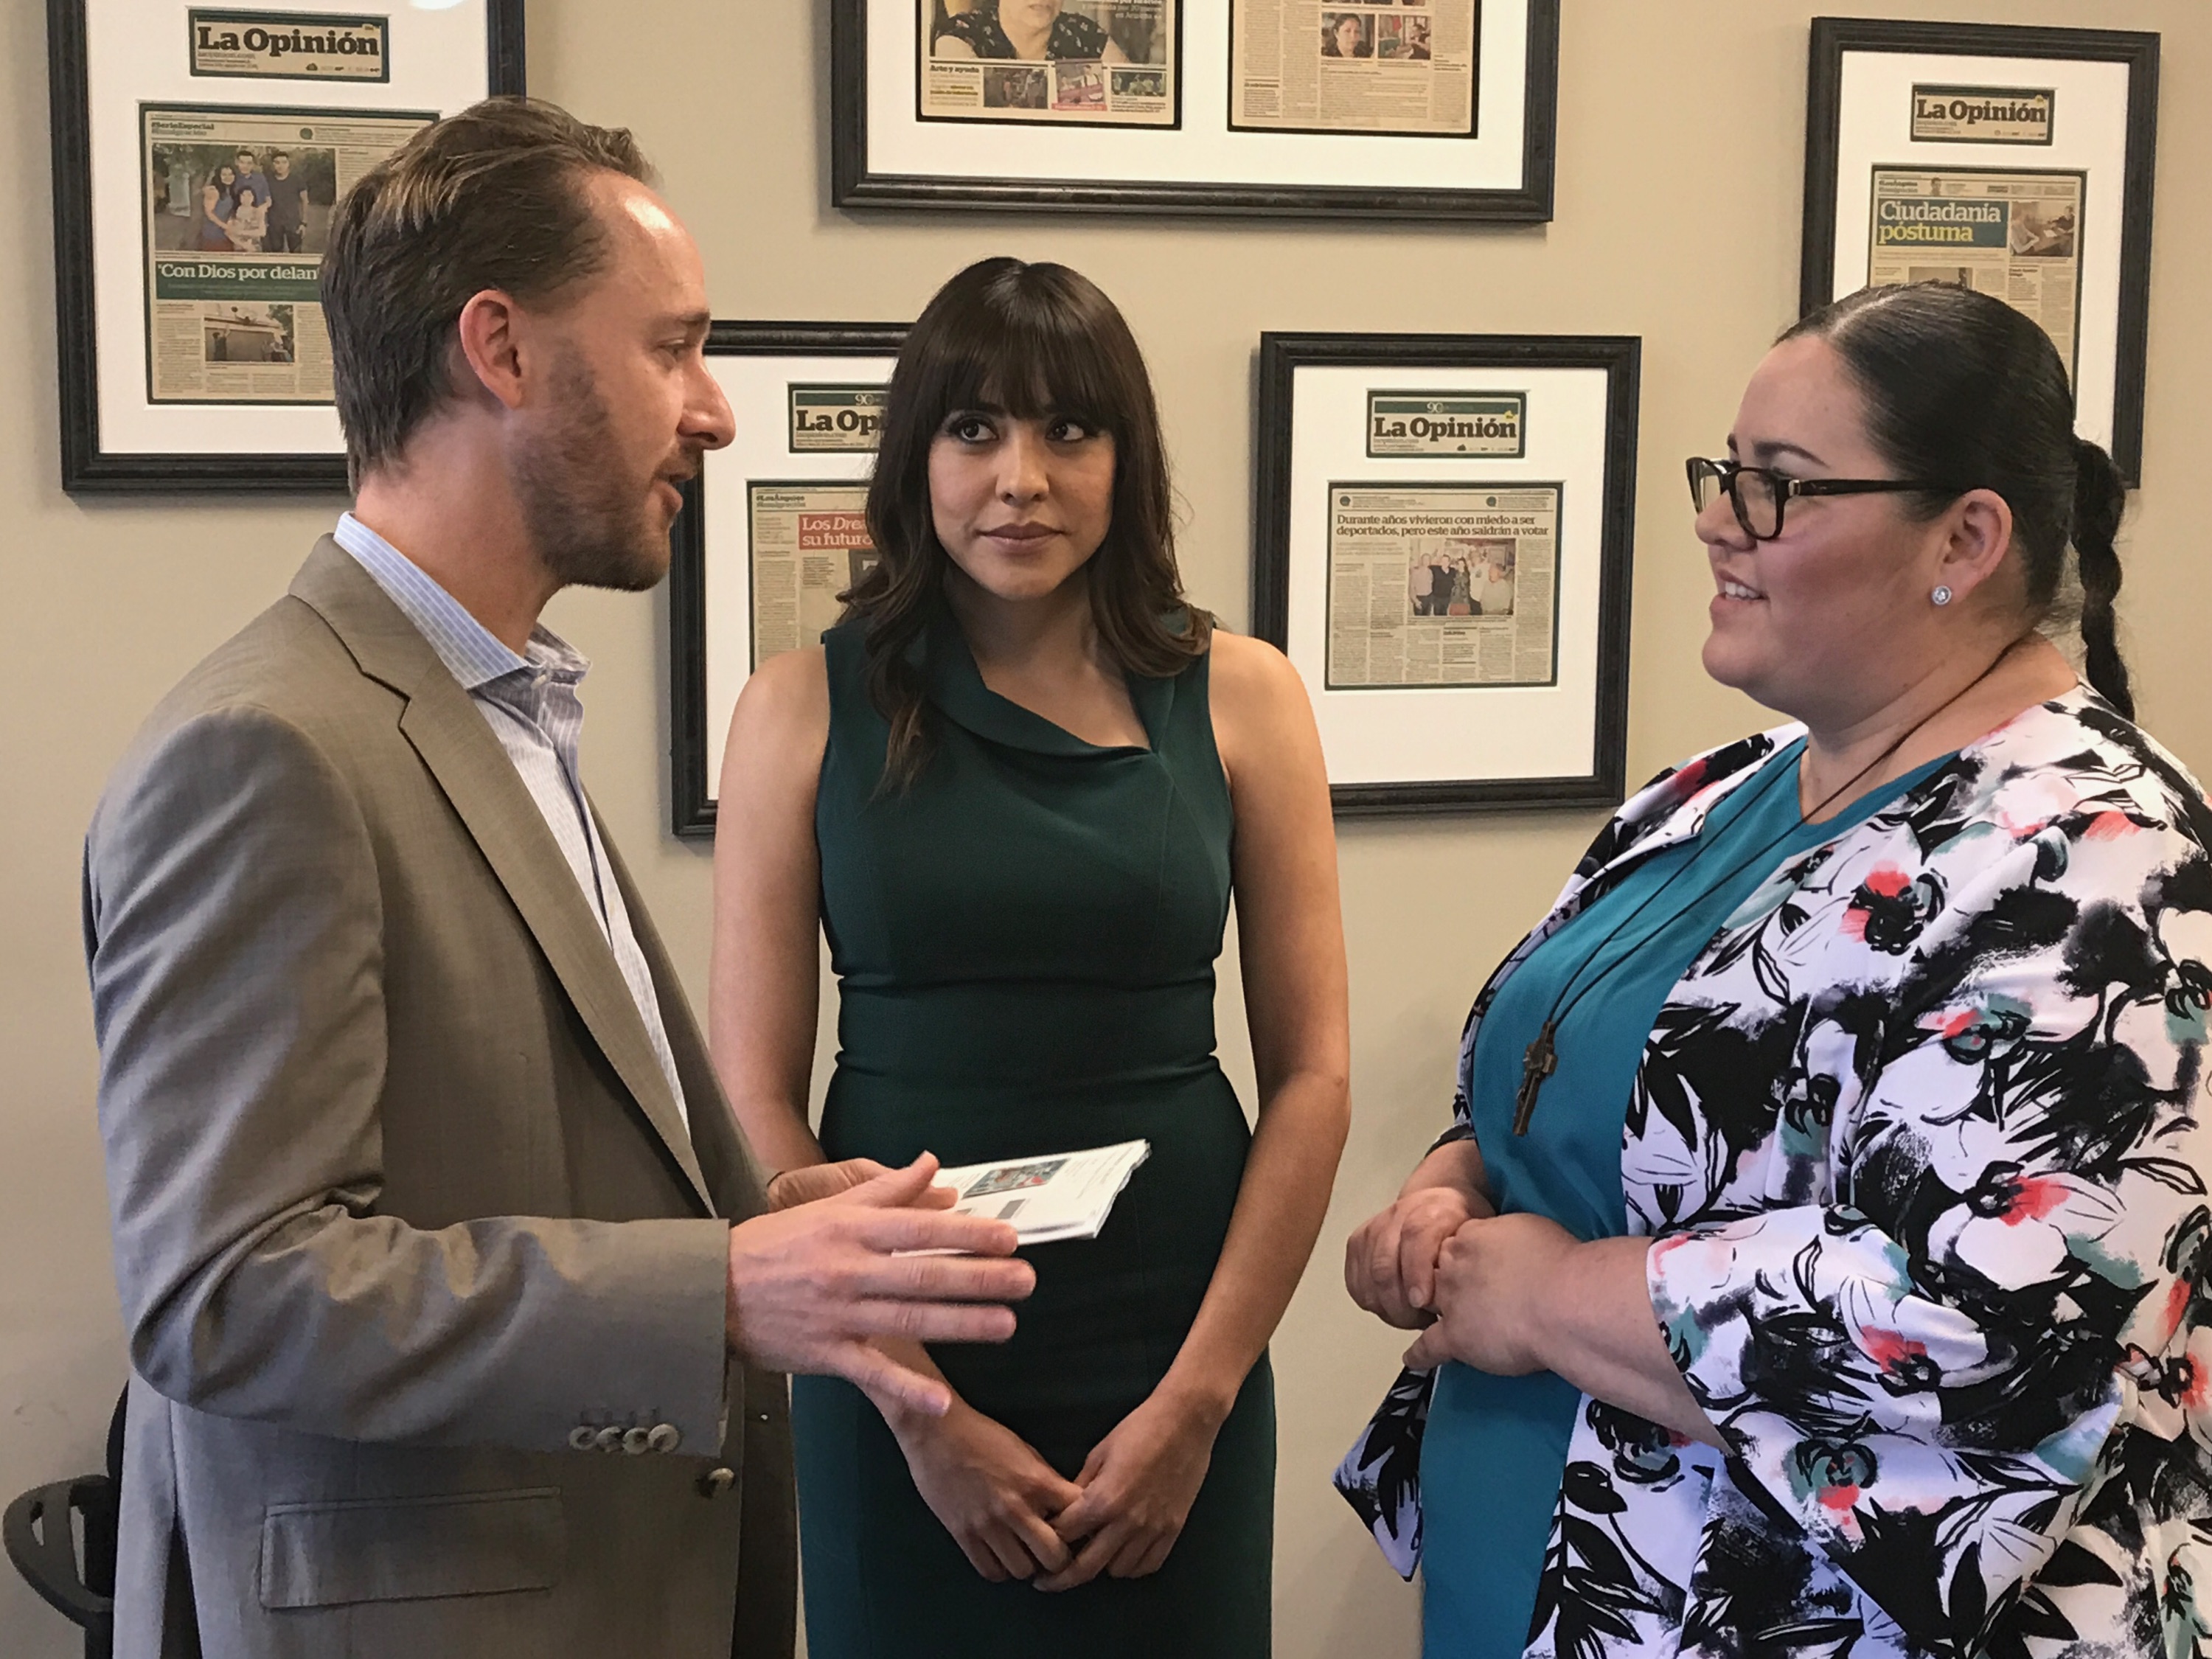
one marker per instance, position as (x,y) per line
(1204,150)
(757,388)
(2088,131)
(139,54)
(1419,734)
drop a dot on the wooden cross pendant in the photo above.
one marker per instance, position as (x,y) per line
(1539,1063)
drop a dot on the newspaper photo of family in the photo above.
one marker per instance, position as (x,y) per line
(237,210)
(212,199)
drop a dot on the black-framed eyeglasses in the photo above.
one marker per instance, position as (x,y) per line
(1760,493)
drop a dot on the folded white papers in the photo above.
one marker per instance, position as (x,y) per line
(1058,1196)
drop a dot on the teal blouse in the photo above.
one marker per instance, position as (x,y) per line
(1497,1446)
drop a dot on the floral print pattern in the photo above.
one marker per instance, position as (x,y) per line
(1919,1140)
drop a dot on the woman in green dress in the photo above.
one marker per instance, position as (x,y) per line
(1017,786)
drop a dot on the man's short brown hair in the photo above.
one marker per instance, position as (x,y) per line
(489,198)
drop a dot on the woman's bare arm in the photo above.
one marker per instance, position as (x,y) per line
(1290,931)
(761,982)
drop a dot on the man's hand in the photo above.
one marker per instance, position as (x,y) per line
(805,1182)
(990,1490)
(1139,1484)
(1493,1282)
(811,1286)
(1390,1260)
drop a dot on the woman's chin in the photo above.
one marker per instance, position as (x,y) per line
(1728,664)
(1019,582)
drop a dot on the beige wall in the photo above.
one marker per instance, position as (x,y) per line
(1680,160)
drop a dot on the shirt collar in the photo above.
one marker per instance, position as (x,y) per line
(473,654)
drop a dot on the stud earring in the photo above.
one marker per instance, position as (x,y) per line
(1942,595)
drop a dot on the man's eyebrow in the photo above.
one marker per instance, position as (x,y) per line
(691,322)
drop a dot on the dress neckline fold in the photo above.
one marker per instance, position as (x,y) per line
(955,685)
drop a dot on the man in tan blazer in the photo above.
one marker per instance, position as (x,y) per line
(456,1308)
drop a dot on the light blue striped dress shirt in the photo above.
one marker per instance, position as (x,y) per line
(531,704)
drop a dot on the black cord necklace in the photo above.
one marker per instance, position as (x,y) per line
(1541,1058)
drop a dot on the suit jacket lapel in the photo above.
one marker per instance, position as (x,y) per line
(725,1156)
(449,733)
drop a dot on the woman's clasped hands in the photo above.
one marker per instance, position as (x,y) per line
(1013,1513)
(1441,1260)
(1015,1517)
(1390,1260)
(990,1490)
(1137,1486)
(1494,1279)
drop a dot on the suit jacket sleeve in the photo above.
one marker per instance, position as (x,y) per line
(234,928)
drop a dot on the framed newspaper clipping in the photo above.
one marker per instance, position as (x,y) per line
(1405,109)
(772,529)
(198,151)
(2016,160)
(1442,547)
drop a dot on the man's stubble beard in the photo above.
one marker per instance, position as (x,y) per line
(588,528)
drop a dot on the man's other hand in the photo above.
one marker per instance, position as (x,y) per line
(811,1286)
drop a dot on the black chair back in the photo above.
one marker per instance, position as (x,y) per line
(40,1529)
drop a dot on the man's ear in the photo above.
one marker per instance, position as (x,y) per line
(1979,535)
(489,331)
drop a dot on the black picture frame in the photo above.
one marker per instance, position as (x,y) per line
(856,184)
(87,466)
(1833,39)
(691,792)
(1498,355)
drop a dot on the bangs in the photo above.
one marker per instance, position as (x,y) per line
(1032,353)
(1029,343)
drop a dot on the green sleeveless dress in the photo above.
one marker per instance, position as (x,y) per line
(1025,942)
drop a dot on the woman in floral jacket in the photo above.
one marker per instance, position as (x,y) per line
(1817,1263)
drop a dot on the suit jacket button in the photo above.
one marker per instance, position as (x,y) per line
(607,1439)
(583,1437)
(664,1438)
(635,1442)
(716,1481)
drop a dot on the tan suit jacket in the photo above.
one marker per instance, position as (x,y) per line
(422,1275)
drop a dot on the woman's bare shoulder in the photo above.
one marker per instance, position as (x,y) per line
(785,704)
(1263,722)
(790,682)
(1249,675)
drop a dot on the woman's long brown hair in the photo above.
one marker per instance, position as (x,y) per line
(1035,341)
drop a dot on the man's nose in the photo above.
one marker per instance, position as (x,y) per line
(708,419)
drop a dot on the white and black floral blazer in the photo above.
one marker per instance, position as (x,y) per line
(1920,1140)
